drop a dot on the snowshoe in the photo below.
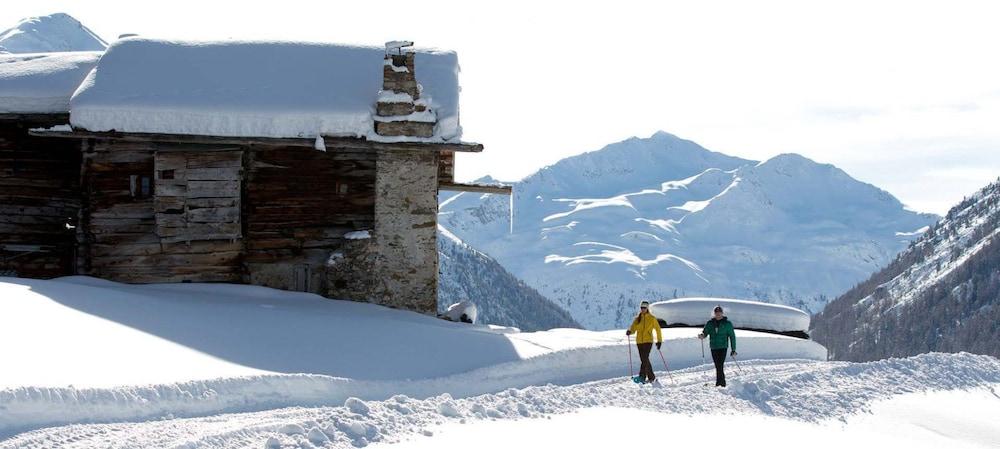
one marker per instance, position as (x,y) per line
(638,380)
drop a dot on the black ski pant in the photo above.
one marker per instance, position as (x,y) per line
(645,368)
(719,357)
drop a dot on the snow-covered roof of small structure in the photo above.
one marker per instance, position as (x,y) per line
(254,89)
(40,83)
(743,314)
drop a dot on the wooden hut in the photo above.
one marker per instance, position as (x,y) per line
(308,167)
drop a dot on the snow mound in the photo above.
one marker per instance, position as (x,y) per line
(744,314)
(464,311)
(52,33)
(248,89)
(42,82)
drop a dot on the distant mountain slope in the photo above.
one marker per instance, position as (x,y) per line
(661,217)
(52,33)
(501,298)
(941,294)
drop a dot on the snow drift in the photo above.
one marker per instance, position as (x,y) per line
(253,89)
(743,314)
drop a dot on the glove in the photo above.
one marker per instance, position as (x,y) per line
(658,344)
(733,353)
(628,332)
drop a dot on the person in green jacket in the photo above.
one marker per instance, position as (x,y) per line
(720,332)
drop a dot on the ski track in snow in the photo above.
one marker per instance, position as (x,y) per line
(802,390)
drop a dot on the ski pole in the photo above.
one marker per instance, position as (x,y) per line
(702,350)
(671,376)
(631,369)
(738,365)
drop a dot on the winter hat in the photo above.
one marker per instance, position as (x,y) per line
(644,304)
(717,309)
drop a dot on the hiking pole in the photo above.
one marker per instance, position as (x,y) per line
(738,366)
(631,370)
(671,376)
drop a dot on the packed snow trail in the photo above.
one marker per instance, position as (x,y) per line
(805,391)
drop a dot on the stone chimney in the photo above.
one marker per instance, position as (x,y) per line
(399,110)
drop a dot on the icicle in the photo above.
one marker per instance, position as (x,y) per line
(511,206)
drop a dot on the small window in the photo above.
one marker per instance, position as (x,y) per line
(140,186)
(166,174)
(340,188)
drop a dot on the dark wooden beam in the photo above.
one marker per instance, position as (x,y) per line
(332,143)
(461,187)
(62,117)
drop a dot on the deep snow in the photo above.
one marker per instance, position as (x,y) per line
(743,314)
(253,89)
(141,351)
(952,396)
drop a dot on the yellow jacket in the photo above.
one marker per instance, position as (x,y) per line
(643,327)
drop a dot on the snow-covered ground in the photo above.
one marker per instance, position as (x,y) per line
(101,351)
(101,364)
(927,400)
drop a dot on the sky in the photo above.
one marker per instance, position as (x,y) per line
(904,95)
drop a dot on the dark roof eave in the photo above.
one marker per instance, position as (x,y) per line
(331,142)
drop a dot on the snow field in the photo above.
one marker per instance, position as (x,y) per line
(817,393)
(183,350)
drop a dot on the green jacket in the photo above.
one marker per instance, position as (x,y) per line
(720,333)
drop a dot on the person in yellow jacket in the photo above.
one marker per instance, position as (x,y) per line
(643,327)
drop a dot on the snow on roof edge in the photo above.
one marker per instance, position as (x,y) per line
(146,86)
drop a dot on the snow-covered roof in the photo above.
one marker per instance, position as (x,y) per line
(34,83)
(743,314)
(254,89)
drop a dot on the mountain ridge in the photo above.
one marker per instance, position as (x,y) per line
(661,216)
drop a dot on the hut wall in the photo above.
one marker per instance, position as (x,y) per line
(128,234)
(299,205)
(406,230)
(39,199)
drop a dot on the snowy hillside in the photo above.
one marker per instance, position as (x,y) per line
(941,294)
(51,33)
(662,217)
(501,298)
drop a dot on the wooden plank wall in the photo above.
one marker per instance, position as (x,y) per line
(120,236)
(299,203)
(39,199)
(446,167)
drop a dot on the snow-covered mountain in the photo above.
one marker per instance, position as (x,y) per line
(941,294)
(501,298)
(52,33)
(662,217)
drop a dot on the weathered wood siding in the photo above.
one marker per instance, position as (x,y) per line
(39,199)
(446,167)
(122,236)
(299,204)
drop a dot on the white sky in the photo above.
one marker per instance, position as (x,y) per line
(905,95)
